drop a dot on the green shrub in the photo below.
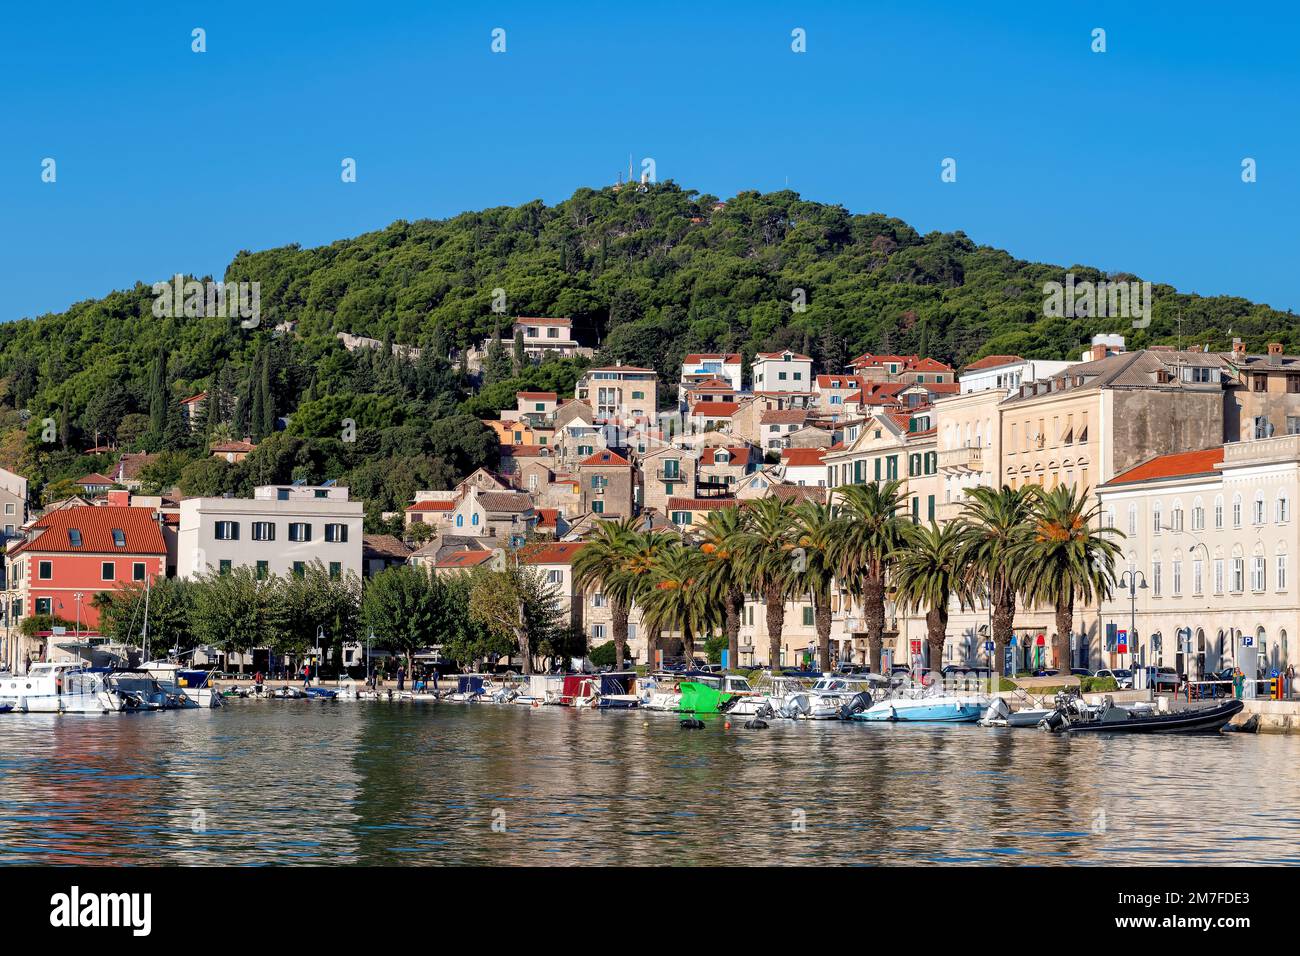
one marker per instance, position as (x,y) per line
(1097,685)
(602,655)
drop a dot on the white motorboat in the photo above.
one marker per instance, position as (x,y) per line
(194,685)
(64,687)
(768,697)
(834,697)
(931,705)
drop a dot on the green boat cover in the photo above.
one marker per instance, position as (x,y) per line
(701,698)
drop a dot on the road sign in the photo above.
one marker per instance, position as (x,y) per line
(1014,642)
(1247,642)
(1121,638)
(988,646)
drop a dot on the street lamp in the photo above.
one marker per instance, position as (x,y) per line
(77,598)
(320,636)
(1133,577)
(369,640)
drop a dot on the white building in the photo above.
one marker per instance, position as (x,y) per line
(544,335)
(1211,535)
(702,366)
(782,372)
(280,530)
(1006,372)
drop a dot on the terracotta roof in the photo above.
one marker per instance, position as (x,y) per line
(712,385)
(1183,464)
(784,416)
(96,525)
(929,365)
(525,451)
(537,396)
(233,446)
(543,321)
(796,356)
(94,478)
(385,545)
(604,458)
(194,398)
(727,358)
(940,388)
(992,361)
(129,466)
(739,456)
(504,501)
(714,409)
(700,504)
(548,517)
(802,457)
(843,381)
(431,506)
(620,368)
(463,559)
(799,493)
(560,552)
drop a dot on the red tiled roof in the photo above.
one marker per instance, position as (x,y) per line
(727,358)
(992,361)
(1182,464)
(712,385)
(233,446)
(715,409)
(700,504)
(543,321)
(605,458)
(561,552)
(795,356)
(929,365)
(548,517)
(194,398)
(844,381)
(784,416)
(94,478)
(432,506)
(96,525)
(940,388)
(525,451)
(129,466)
(802,457)
(537,396)
(739,456)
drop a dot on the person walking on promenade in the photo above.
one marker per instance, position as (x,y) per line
(257,681)
(306,676)
(401,678)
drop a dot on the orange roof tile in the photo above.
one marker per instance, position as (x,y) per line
(96,526)
(432,506)
(727,358)
(715,409)
(700,504)
(605,458)
(992,361)
(1183,464)
(463,559)
(560,552)
(802,457)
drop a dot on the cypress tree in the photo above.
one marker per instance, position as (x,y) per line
(267,398)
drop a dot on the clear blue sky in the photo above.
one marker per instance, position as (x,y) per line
(171,161)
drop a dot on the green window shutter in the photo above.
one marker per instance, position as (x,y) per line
(807,616)
(930,507)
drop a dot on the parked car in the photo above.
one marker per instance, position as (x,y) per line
(1080,672)
(1123,677)
(1046,672)
(1166,678)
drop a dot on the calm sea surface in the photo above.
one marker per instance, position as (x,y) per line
(308,782)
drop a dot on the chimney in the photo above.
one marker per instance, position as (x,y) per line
(1238,349)
(1274,352)
(1098,352)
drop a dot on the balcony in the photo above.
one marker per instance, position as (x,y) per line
(968,458)
(669,471)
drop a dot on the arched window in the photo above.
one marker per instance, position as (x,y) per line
(1218,511)
(1236,511)
(1132,519)
(474,520)
(1283,508)
(1200,640)
(1279,564)
(1258,511)
(1261,642)
(1198,515)
(460,521)
(1155,516)
(1176,575)
(1176,516)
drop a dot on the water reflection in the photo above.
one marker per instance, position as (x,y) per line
(336,783)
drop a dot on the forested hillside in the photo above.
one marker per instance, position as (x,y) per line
(648,274)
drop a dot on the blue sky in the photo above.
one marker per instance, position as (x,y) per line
(171,161)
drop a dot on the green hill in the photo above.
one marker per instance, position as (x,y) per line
(648,274)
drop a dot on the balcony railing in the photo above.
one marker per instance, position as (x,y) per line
(966,458)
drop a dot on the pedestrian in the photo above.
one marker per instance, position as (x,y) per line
(401,678)
(306,676)
(257,681)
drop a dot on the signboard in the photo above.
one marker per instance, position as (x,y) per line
(1121,638)
(988,646)
(1247,642)
(1040,642)
(1014,642)
(726,658)
(916,648)
(58,630)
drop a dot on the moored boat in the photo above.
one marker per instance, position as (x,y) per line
(1070,718)
(59,688)
(935,709)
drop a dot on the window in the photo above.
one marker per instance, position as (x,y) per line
(681,518)
(137,571)
(1238,575)
(1280,563)
(598,632)
(1293,383)
(598,507)
(338,533)
(1155,578)
(227,531)
(299,569)
(321,493)
(1196,576)
(41,606)
(45,570)
(1218,575)
(1293,424)
(299,531)
(119,538)
(598,600)
(1236,511)
(636,396)
(554,577)
(263,570)
(1283,508)
(336,570)
(1176,518)
(1155,517)
(1132,520)
(460,521)
(1198,516)
(74,537)
(1257,573)
(1218,512)
(9,508)
(1177,577)
(1261,383)
(263,530)
(808,617)
(1259,507)
(224,567)
(107,571)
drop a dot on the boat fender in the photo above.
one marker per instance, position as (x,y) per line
(756,724)
(692,723)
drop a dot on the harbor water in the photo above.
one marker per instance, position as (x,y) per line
(323,783)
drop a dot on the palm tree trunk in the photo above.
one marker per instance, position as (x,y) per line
(1064,625)
(688,643)
(1004,617)
(822,618)
(735,604)
(936,627)
(619,614)
(775,601)
(873,613)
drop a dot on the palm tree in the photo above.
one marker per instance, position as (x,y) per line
(675,601)
(930,573)
(763,551)
(639,574)
(1066,554)
(721,576)
(992,523)
(603,562)
(872,535)
(819,532)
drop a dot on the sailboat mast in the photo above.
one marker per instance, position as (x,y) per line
(145,633)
